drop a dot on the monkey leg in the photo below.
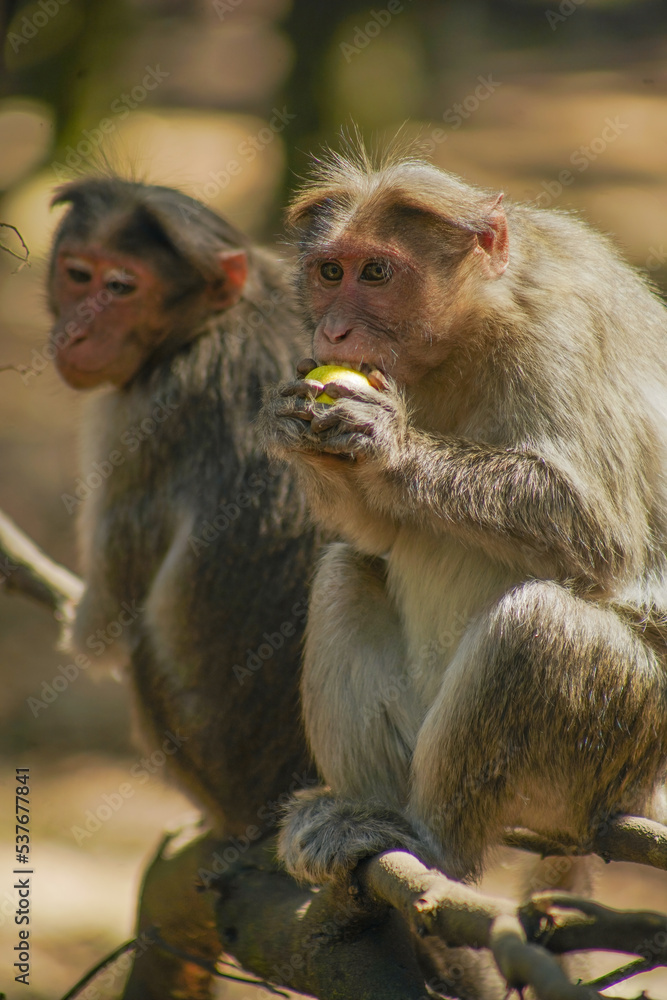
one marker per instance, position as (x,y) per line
(360,721)
(183,917)
(551,715)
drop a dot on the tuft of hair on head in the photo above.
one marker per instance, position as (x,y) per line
(348,170)
(169,217)
(355,184)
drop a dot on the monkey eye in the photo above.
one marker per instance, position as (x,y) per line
(120,282)
(117,287)
(331,271)
(375,270)
(76,274)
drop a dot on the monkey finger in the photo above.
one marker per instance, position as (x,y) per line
(350,413)
(306,365)
(343,426)
(338,390)
(317,387)
(324,418)
(377,378)
(349,443)
(294,410)
(326,421)
(304,389)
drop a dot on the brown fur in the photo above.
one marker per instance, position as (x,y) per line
(205,604)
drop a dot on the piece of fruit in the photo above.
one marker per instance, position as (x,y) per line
(339,376)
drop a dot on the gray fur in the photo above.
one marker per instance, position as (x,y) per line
(512,483)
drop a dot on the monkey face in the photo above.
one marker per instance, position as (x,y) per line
(396,267)
(109,315)
(364,310)
(377,304)
(114,310)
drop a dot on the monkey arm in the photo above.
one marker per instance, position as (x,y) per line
(517,500)
(329,480)
(517,496)
(520,503)
(361,459)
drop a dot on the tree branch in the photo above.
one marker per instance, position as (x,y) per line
(563,922)
(319,942)
(626,838)
(433,904)
(25,569)
(358,942)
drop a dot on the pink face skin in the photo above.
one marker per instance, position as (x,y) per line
(110,312)
(373,304)
(109,315)
(361,302)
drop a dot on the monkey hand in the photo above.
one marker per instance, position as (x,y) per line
(284,421)
(323,838)
(363,422)
(360,423)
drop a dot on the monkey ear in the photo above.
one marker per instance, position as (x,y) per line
(494,242)
(234,272)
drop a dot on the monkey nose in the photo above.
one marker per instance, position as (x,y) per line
(334,331)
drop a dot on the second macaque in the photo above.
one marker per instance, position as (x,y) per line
(487,647)
(196,552)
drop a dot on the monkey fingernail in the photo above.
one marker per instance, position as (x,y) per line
(314,385)
(378,380)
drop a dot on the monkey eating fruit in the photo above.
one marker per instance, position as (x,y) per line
(338,375)
(486,647)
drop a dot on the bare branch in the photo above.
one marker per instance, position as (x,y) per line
(623,972)
(431,903)
(212,967)
(563,923)
(99,967)
(524,964)
(536,843)
(12,253)
(626,838)
(633,838)
(25,569)
(522,939)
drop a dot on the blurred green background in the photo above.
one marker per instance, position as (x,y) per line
(563,103)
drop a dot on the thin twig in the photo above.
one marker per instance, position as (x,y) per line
(19,369)
(211,967)
(12,253)
(107,960)
(623,972)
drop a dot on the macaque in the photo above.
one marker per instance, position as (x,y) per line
(487,647)
(196,551)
